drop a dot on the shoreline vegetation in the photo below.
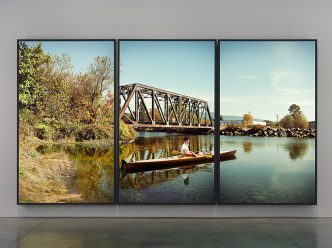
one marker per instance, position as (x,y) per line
(60,106)
(294,124)
(263,131)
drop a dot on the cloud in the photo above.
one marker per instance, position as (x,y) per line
(288,87)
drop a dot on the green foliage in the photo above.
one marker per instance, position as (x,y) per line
(44,131)
(57,104)
(295,118)
(294,110)
(32,65)
(93,132)
(27,116)
(126,132)
(300,121)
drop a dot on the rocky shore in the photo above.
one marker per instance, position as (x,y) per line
(269,132)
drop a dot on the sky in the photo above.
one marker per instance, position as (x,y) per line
(185,67)
(266,77)
(81,53)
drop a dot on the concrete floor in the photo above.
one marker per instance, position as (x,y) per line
(112,232)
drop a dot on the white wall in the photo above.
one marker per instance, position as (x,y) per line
(162,19)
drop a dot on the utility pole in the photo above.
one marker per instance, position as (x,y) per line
(277,116)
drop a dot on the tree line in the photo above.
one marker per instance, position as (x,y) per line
(57,102)
(295,119)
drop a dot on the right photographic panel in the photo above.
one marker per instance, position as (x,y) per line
(268,116)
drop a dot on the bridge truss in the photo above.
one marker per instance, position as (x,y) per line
(147,107)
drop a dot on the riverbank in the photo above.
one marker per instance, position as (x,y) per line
(48,177)
(44,178)
(262,131)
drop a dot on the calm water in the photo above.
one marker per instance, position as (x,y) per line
(190,184)
(91,172)
(268,170)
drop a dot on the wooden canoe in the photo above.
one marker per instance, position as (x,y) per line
(174,161)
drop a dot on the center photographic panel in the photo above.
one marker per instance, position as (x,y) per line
(166,112)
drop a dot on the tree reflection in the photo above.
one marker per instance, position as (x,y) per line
(247,146)
(92,170)
(297,150)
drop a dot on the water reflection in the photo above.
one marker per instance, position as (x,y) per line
(179,184)
(143,180)
(92,170)
(161,146)
(297,150)
(268,170)
(247,147)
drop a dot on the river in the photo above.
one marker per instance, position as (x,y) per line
(265,170)
(268,170)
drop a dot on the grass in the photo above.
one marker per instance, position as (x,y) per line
(43,178)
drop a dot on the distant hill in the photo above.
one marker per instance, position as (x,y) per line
(232,117)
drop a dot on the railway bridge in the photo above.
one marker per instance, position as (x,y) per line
(148,108)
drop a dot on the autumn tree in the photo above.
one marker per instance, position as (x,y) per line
(247,119)
(295,118)
(57,85)
(91,90)
(101,73)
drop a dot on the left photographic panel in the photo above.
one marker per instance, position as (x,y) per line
(65,121)
(166,121)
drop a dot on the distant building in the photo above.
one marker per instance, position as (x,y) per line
(312,124)
(231,122)
(261,123)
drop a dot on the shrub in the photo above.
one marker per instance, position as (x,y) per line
(93,133)
(44,131)
(126,132)
(27,116)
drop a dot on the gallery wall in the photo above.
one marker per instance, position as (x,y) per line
(161,19)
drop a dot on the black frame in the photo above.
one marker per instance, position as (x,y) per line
(18,121)
(216,122)
(316,119)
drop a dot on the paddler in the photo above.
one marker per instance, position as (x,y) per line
(185,148)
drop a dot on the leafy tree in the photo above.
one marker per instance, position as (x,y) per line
(101,73)
(57,89)
(247,119)
(157,115)
(33,62)
(294,110)
(287,121)
(295,118)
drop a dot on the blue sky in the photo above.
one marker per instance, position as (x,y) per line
(81,53)
(266,77)
(185,67)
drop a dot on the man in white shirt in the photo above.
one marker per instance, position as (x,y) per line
(185,148)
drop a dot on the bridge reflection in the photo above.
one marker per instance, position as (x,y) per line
(142,180)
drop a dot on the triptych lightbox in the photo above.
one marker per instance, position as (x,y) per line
(167,121)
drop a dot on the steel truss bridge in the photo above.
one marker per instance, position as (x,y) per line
(149,108)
